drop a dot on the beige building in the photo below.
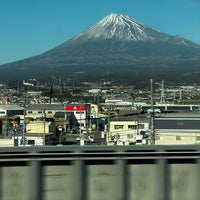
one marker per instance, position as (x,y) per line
(176,137)
(122,130)
(177,128)
(37,132)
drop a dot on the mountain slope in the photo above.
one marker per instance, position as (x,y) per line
(114,43)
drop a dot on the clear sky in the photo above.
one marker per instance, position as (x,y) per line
(31,27)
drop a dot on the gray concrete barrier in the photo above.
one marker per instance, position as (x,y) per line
(100,172)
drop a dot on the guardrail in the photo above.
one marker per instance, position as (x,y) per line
(100,172)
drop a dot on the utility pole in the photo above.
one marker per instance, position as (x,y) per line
(44,124)
(152,113)
(162,99)
(97,113)
(24,127)
(82,142)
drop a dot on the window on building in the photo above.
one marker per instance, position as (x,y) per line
(141,126)
(118,126)
(179,123)
(178,137)
(82,124)
(116,136)
(129,136)
(31,142)
(198,138)
(132,127)
(78,112)
(157,137)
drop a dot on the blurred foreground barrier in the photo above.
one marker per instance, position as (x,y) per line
(100,173)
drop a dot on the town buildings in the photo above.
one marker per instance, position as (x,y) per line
(42,123)
(117,115)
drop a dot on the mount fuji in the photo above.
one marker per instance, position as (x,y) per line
(117,44)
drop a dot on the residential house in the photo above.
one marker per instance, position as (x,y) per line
(37,132)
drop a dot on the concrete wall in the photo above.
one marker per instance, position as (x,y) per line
(6,142)
(38,127)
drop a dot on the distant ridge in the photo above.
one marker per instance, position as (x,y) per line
(118,44)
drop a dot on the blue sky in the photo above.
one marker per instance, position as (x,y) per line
(31,27)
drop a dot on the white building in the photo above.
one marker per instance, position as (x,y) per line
(81,114)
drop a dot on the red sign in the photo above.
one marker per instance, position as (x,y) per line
(75,107)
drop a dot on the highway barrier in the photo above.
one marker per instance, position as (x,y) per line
(100,173)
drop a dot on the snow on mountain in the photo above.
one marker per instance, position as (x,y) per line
(118,44)
(121,27)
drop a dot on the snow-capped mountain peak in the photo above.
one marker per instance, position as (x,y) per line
(119,26)
(119,44)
